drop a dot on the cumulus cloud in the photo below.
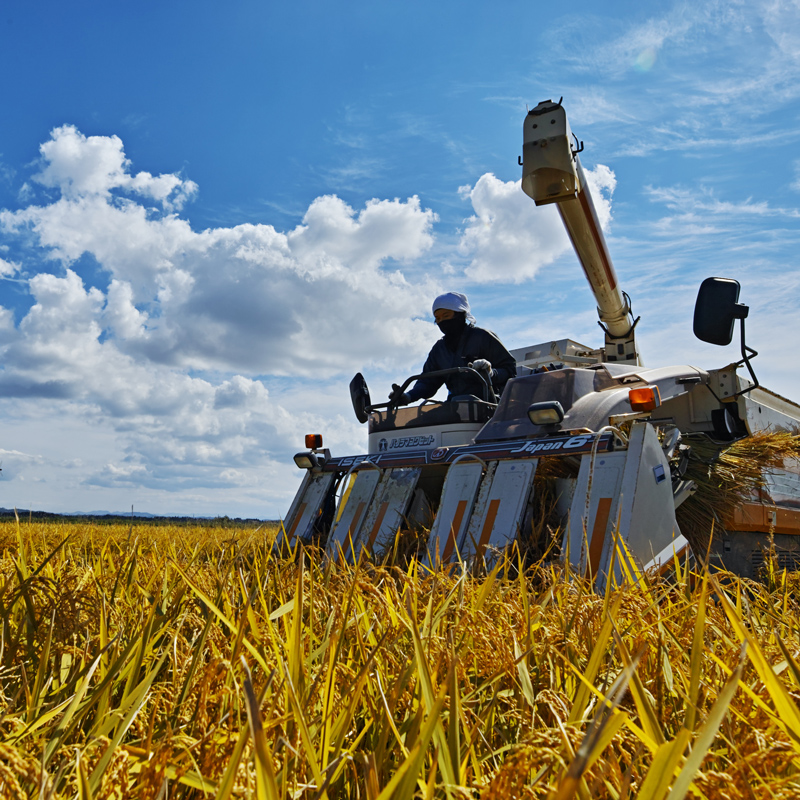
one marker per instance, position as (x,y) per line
(509,239)
(174,352)
(314,300)
(81,166)
(332,233)
(167,414)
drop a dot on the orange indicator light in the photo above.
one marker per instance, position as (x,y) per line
(313,441)
(645,398)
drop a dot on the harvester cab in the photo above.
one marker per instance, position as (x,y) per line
(587,436)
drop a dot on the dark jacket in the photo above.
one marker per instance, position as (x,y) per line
(473,344)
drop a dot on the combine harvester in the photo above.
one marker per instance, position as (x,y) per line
(465,468)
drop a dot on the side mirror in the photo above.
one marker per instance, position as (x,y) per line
(359,394)
(717,309)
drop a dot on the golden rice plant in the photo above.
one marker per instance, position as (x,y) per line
(725,476)
(176,662)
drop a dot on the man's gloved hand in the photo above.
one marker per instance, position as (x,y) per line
(482,365)
(398,397)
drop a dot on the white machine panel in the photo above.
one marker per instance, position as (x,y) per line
(647,522)
(593,513)
(455,508)
(352,509)
(629,491)
(497,515)
(663,560)
(427,438)
(306,506)
(386,511)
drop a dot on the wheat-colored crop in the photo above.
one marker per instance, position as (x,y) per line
(168,662)
(725,475)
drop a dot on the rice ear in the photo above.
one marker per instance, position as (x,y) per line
(725,476)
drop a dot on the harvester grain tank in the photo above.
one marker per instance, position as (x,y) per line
(619,434)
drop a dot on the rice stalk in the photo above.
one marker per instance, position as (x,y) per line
(121,675)
(725,475)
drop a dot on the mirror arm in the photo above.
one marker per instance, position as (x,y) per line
(747,354)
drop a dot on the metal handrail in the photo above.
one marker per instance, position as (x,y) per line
(486,384)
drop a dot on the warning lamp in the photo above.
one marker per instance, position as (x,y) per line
(313,441)
(645,398)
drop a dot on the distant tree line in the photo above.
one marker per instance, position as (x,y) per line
(8,514)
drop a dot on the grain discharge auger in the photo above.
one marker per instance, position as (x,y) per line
(617,433)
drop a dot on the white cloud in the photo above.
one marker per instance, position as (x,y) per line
(624,48)
(8,268)
(703,199)
(641,44)
(509,238)
(120,235)
(314,300)
(762,39)
(7,329)
(698,79)
(174,354)
(121,315)
(81,166)
(331,234)
(602,183)
(782,23)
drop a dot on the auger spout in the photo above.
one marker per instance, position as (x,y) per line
(552,173)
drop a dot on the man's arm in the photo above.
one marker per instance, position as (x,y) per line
(504,366)
(427,387)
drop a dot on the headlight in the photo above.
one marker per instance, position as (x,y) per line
(549,412)
(306,461)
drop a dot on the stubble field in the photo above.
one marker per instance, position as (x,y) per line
(170,662)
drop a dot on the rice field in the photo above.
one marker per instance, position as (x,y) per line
(181,662)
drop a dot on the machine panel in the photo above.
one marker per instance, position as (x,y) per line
(455,509)
(386,511)
(497,516)
(592,514)
(352,510)
(307,507)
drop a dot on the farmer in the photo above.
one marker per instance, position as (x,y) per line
(463,345)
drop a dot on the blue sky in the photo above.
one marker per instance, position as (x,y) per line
(212,216)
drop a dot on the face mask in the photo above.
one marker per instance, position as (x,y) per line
(452,327)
